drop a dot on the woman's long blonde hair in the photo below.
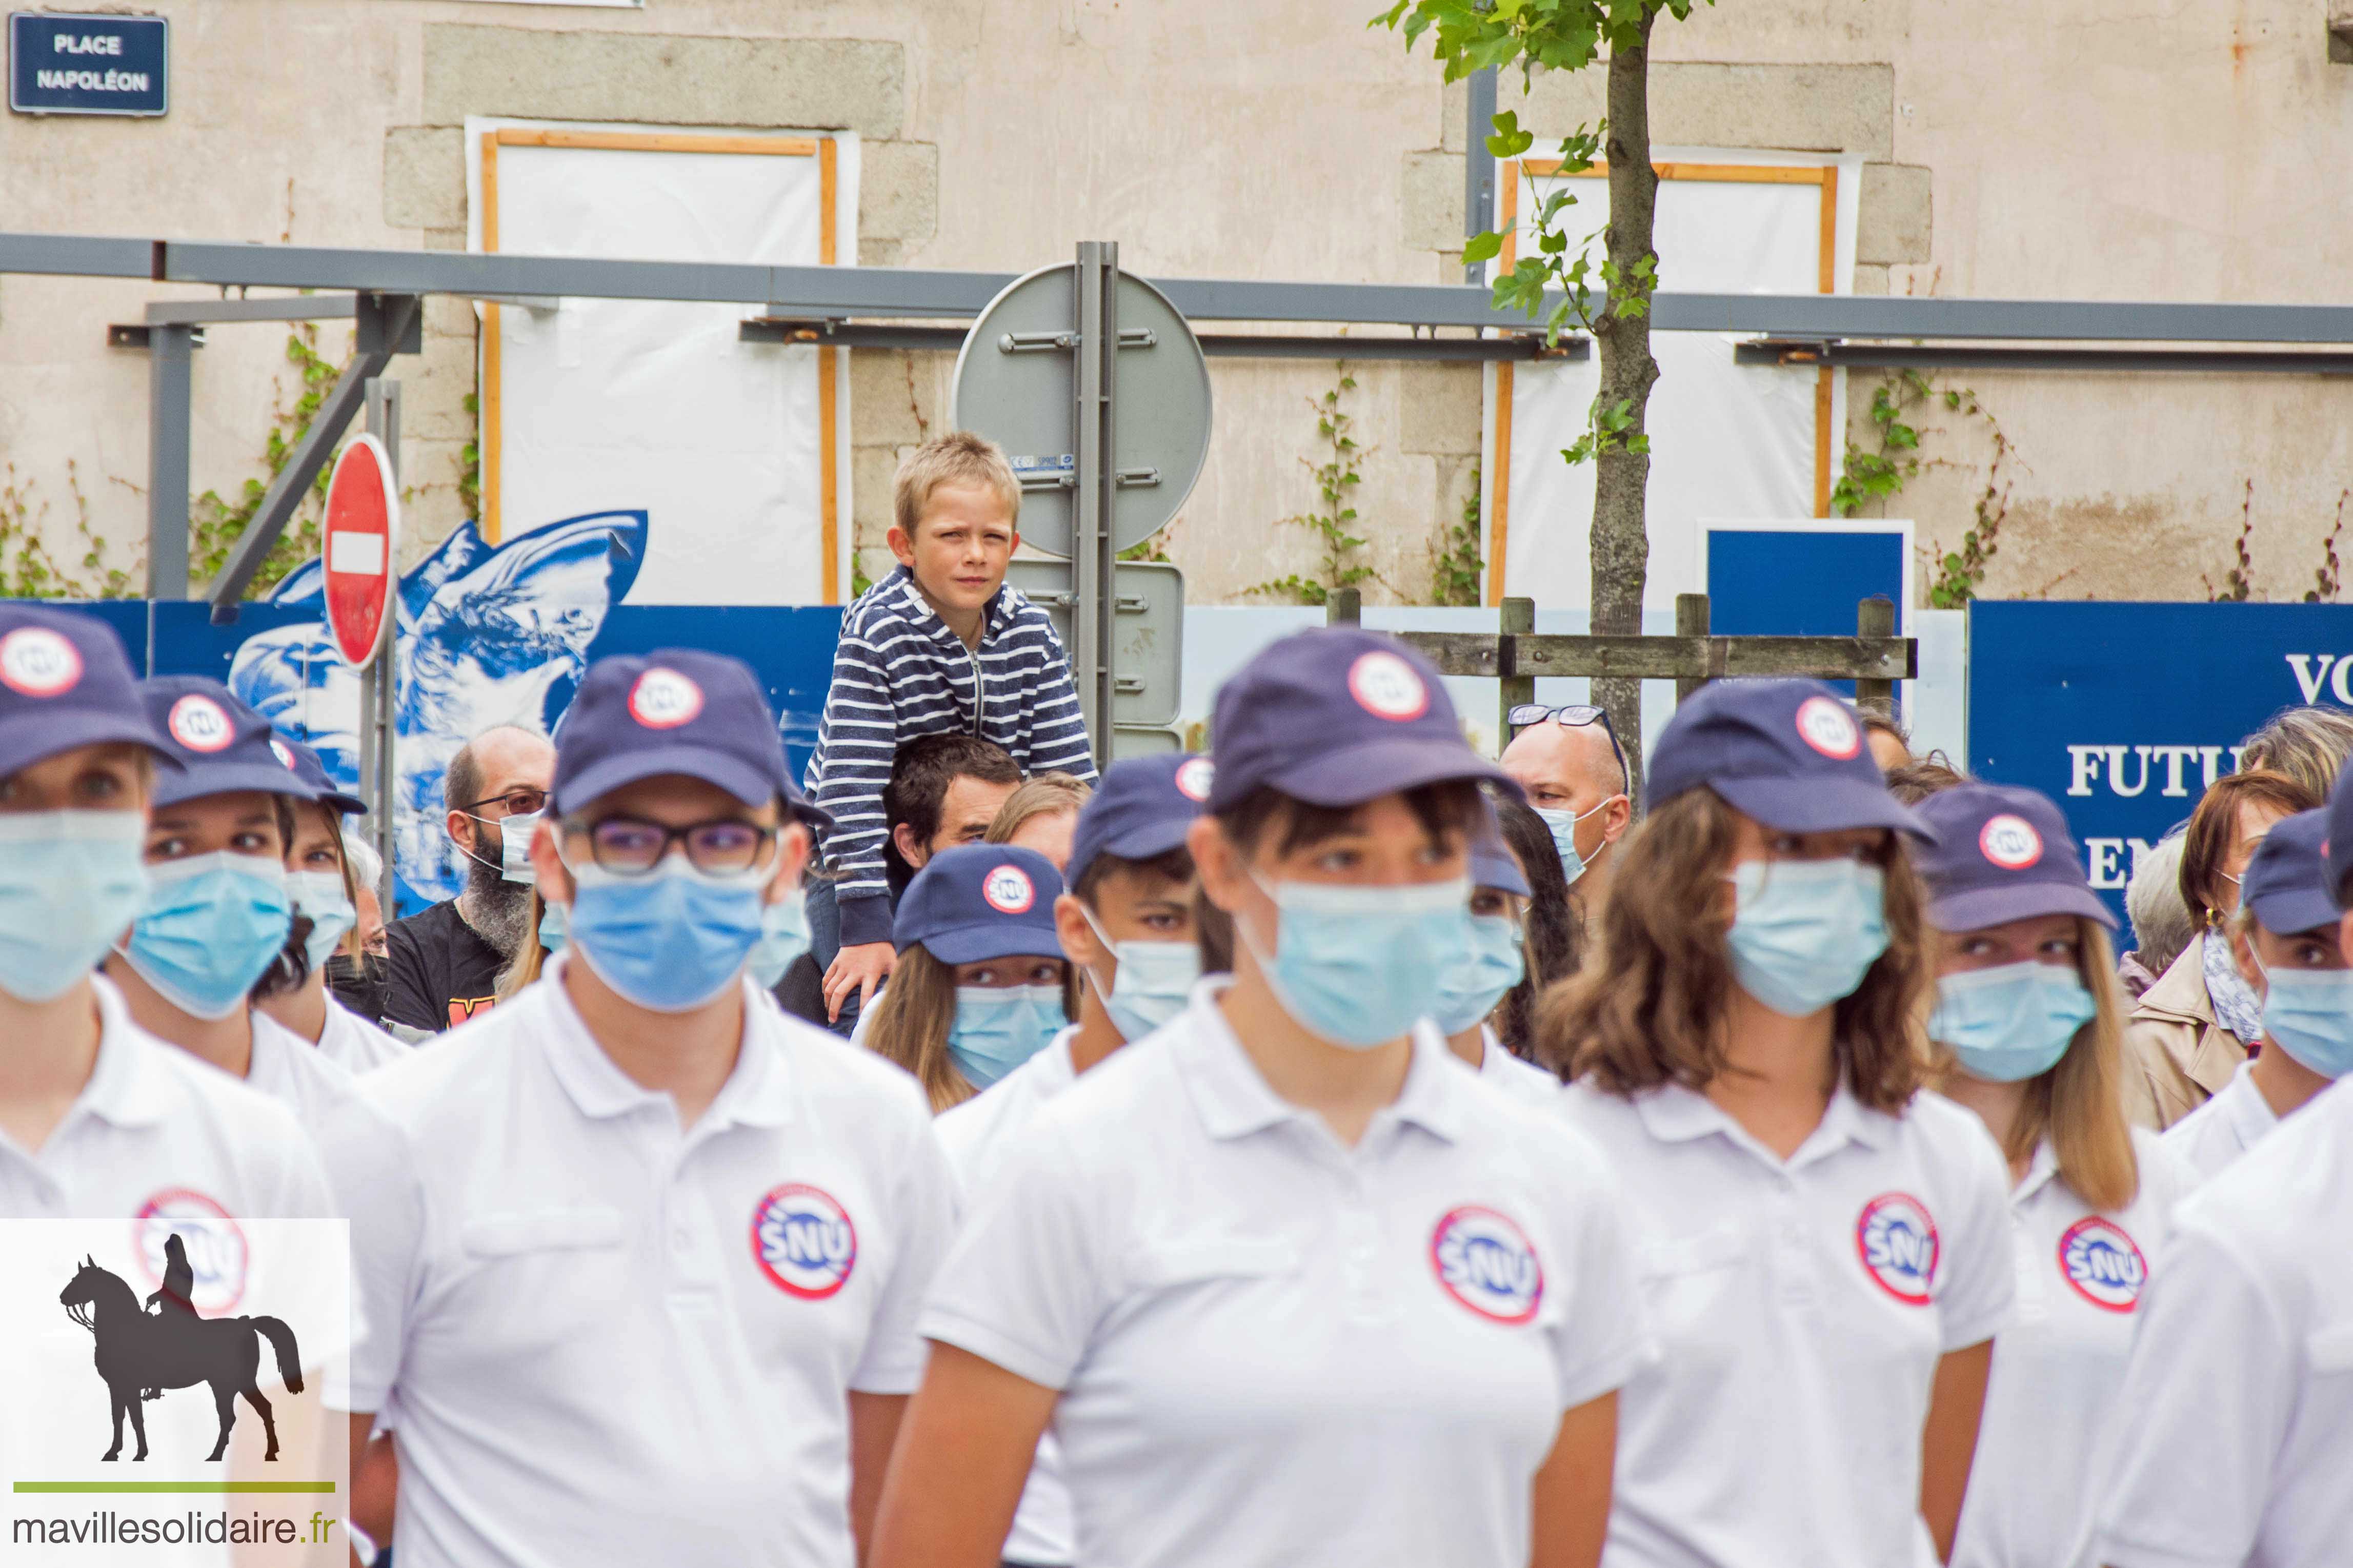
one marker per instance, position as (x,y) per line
(1647,1005)
(910,1024)
(530,957)
(2079,1103)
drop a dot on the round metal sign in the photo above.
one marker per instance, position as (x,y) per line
(363,533)
(1014,384)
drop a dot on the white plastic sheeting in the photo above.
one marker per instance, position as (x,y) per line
(1726,440)
(601,405)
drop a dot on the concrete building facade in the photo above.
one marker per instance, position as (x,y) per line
(2108,149)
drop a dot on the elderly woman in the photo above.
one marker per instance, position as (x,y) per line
(2191,1029)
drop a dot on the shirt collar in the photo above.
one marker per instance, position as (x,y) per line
(998,615)
(1233,1100)
(2040,1172)
(2250,1114)
(121,1088)
(758,1092)
(1675,1114)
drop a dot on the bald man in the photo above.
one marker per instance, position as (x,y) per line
(445,960)
(1576,782)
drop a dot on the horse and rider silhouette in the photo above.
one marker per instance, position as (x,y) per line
(141,1353)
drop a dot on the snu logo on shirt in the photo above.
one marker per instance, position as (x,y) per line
(1488,1264)
(1896,1240)
(804,1241)
(2103,1264)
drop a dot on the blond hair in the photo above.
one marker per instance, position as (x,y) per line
(1040,796)
(524,966)
(1649,1005)
(959,457)
(910,1024)
(2078,1104)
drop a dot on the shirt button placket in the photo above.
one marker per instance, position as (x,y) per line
(1792,1249)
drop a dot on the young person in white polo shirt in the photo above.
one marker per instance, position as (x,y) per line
(2029,1015)
(1489,963)
(2238,1438)
(1126,925)
(662,1247)
(1291,1285)
(2284,940)
(1825,1251)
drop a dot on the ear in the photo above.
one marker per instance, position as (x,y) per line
(2344,937)
(792,859)
(1616,818)
(903,548)
(910,848)
(1017,540)
(1078,938)
(1219,865)
(461,830)
(2242,953)
(555,886)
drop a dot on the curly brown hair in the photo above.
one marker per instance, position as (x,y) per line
(1649,1005)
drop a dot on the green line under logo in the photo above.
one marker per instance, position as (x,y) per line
(206,1486)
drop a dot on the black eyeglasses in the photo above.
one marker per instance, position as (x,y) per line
(1574,716)
(517,802)
(631,847)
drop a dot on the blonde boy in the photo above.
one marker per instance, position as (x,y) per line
(939,645)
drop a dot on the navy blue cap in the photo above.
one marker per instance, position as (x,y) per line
(312,772)
(65,682)
(1335,718)
(1492,864)
(1141,807)
(2286,883)
(2337,850)
(981,900)
(2001,854)
(674,711)
(1788,754)
(221,745)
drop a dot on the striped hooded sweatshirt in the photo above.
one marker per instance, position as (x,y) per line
(899,672)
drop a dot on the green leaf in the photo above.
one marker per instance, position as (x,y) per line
(1482,247)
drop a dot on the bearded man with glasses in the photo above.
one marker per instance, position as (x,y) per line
(445,960)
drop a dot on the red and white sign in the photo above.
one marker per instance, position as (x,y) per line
(362,529)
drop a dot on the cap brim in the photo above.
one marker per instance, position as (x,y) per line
(986,939)
(65,732)
(231,778)
(1821,806)
(1498,871)
(1355,774)
(1981,907)
(2295,909)
(1144,841)
(349,805)
(722,769)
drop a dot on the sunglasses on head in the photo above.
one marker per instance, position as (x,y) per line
(1573,716)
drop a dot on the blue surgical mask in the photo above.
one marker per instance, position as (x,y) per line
(1488,967)
(2012,1022)
(2308,1013)
(1151,983)
(69,883)
(213,926)
(671,940)
(1806,931)
(319,898)
(514,846)
(1356,965)
(783,937)
(999,1027)
(1564,837)
(551,927)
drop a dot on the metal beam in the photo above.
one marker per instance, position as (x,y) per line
(1477,164)
(1217,345)
(293,481)
(1919,356)
(77,255)
(169,398)
(285,307)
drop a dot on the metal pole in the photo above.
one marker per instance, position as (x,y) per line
(381,787)
(1875,617)
(170,356)
(1512,616)
(1478,166)
(1346,607)
(1093,372)
(1690,621)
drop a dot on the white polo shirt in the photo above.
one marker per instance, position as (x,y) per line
(976,1137)
(1522,1079)
(2053,1404)
(2238,1449)
(2215,1135)
(354,1044)
(623,1342)
(1801,1310)
(157,1132)
(1273,1349)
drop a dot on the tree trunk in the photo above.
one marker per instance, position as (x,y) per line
(1620,539)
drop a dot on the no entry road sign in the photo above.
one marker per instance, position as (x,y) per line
(363,529)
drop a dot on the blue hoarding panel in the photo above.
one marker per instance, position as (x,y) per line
(1799,582)
(2123,713)
(89,64)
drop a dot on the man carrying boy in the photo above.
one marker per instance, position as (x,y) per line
(1126,925)
(940,645)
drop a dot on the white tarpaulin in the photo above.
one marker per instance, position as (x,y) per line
(738,456)
(1726,440)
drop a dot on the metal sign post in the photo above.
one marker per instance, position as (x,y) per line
(1094,386)
(379,684)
